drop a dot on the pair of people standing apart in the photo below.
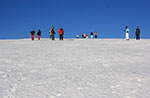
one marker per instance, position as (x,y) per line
(93,34)
(137,33)
(33,33)
(52,32)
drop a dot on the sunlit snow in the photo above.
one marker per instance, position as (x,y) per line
(90,68)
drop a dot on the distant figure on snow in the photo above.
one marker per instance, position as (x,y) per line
(51,33)
(32,34)
(77,36)
(39,34)
(137,33)
(61,33)
(127,32)
(96,34)
(91,34)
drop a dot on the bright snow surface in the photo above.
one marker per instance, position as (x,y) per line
(102,68)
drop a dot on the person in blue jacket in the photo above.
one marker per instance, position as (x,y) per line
(127,32)
(137,33)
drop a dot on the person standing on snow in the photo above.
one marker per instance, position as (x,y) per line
(137,33)
(39,34)
(32,34)
(127,32)
(77,36)
(96,34)
(51,33)
(91,34)
(61,33)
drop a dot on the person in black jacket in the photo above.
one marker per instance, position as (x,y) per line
(39,34)
(52,32)
(32,34)
(137,33)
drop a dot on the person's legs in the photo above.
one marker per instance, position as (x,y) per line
(32,37)
(138,36)
(127,36)
(38,37)
(62,37)
(95,36)
(53,37)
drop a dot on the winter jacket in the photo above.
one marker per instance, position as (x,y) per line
(137,31)
(127,30)
(61,31)
(52,31)
(32,32)
(96,34)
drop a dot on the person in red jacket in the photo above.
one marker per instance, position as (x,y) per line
(96,34)
(32,34)
(61,33)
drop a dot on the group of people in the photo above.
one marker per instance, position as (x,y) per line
(52,33)
(84,35)
(33,33)
(137,33)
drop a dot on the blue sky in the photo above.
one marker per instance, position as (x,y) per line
(107,17)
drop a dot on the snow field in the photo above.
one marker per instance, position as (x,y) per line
(83,68)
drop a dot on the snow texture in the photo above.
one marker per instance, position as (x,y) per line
(90,68)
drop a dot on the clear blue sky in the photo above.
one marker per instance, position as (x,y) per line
(107,17)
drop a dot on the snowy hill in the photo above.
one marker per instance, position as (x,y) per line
(102,68)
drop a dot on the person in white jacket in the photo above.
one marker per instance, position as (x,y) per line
(127,32)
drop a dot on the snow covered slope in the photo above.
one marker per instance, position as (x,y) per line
(102,68)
